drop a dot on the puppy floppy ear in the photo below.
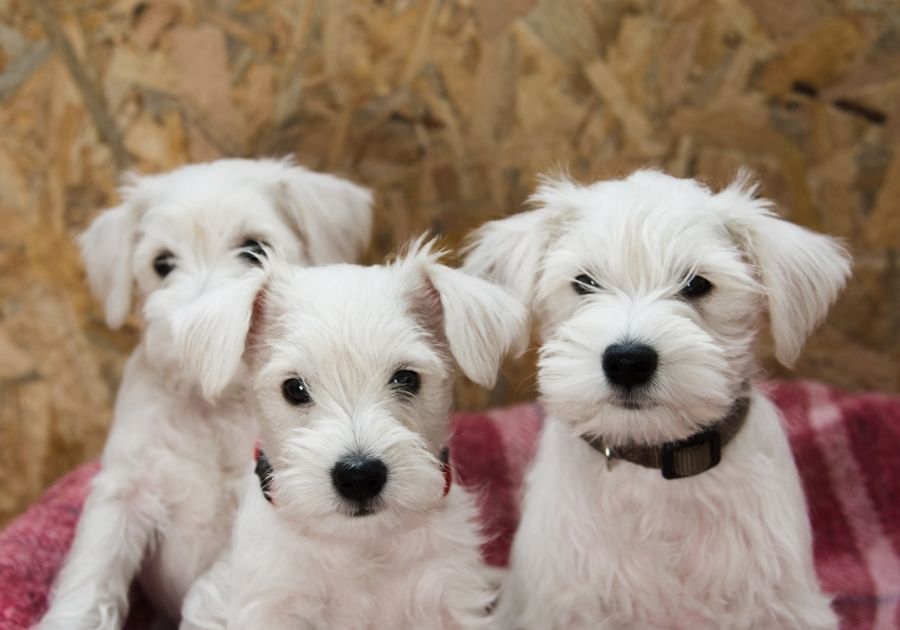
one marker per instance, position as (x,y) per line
(480,321)
(508,251)
(332,216)
(210,333)
(801,272)
(106,248)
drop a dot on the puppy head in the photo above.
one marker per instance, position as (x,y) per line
(649,292)
(352,371)
(179,235)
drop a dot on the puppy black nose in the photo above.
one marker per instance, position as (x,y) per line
(359,478)
(629,364)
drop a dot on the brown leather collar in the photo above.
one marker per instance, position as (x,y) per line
(685,458)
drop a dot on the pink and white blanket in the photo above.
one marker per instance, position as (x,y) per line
(847,448)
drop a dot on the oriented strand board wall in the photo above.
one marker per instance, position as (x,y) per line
(449,109)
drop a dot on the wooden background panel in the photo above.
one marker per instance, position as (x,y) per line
(449,109)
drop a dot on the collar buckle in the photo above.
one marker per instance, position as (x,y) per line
(691,456)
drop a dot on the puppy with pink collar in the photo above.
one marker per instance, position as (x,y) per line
(351,371)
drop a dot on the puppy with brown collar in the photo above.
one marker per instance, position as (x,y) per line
(663,494)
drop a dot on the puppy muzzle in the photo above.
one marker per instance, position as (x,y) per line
(265,472)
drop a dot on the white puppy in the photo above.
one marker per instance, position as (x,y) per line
(649,292)
(352,371)
(163,502)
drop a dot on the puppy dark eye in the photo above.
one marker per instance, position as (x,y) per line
(295,392)
(584,284)
(696,286)
(253,251)
(164,263)
(406,382)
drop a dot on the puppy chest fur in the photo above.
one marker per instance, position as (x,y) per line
(664,554)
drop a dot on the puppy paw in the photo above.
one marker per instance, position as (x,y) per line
(99,618)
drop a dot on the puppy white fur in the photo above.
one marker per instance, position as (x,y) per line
(615,545)
(370,353)
(163,503)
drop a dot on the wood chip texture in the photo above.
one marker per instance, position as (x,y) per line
(449,110)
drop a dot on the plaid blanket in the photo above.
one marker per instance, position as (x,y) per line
(846,448)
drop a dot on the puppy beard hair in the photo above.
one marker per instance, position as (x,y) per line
(694,383)
(159,347)
(158,308)
(306,496)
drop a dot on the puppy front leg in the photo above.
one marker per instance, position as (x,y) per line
(212,604)
(452,622)
(113,533)
(274,620)
(207,605)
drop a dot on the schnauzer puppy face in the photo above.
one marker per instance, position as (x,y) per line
(649,293)
(179,235)
(352,371)
(354,393)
